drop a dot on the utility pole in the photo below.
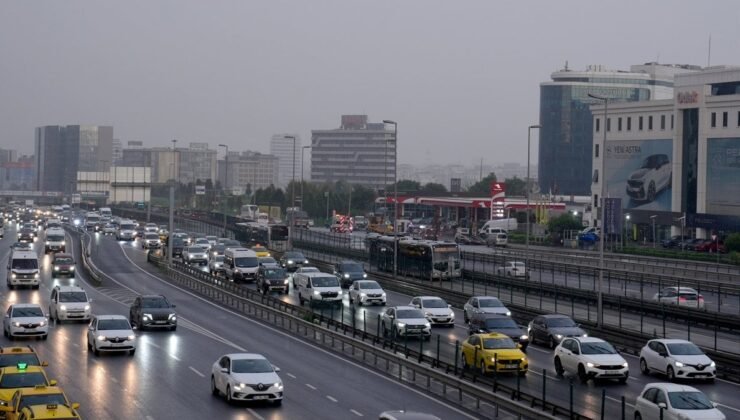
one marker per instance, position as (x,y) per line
(226,182)
(172,205)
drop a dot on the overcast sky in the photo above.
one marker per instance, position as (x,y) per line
(460,77)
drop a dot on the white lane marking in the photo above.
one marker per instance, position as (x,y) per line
(154,344)
(149,418)
(297,340)
(355,412)
(330,398)
(537,349)
(174,357)
(311,386)
(196,372)
(291,375)
(254,414)
(554,378)
(115,381)
(620,402)
(728,407)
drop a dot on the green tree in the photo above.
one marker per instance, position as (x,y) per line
(565,221)
(483,187)
(408,185)
(433,188)
(732,243)
(516,187)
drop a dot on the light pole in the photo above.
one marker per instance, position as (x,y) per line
(395,194)
(602,180)
(226,180)
(303,149)
(292,188)
(652,218)
(172,205)
(529,217)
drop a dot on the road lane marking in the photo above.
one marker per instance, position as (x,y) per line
(311,386)
(154,344)
(554,378)
(355,412)
(620,402)
(174,357)
(291,375)
(537,349)
(728,407)
(115,381)
(196,372)
(332,399)
(254,413)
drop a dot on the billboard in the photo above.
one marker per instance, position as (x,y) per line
(723,173)
(639,172)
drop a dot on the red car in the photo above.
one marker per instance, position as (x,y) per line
(709,245)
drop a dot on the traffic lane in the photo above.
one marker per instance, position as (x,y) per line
(227,323)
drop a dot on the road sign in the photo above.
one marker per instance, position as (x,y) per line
(200,190)
(613,216)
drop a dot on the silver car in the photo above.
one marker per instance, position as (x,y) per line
(484,305)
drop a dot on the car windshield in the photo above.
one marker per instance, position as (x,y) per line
(251,366)
(27,312)
(246,262)
(202,241)
(22,380)
(259,249)
(72,297)
(22,245)
(295,255)
(267,260)
(325,281)
(113,324)
(433,303)
(55,238)
(597,348)
(63,260)
(219,249)
(151,236)
(684,349)
(689,400)
(498,343)
(154,302)
(309,270)
(351,268)
(494,323)
(518,265)
(126,226)
(12,359)
(275,273)
(560,322)
(219,258)
(490,303)
(196,250)
(409,314)
(42,399)
(369,285)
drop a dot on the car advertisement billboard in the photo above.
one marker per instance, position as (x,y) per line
(639,172)
(723,173)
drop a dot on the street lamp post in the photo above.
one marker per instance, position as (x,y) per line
(395,194)
(226,181)
(172,205)
(292,188)
(529,187)
(602,181)
(303,149)
(652,218)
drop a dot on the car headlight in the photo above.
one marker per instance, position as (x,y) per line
(363,294)
(101,338)
(428,325)
(364,275)
(290,261)
(524,337)
(427,314)
(305,262)
(172,317)
(47,242)
(508,313)
(679,364)
(339,293)
(87,307)
(712,364)
(401,325)
(383,294)
(316,292)
(131,337)
(452,315)
(584,335)
(239,387)
(56,268)
(147,317)
(12,275)
(278,385)
(42,323)
(286,281)
(63,307)
(36,276)
(16,324)
(589,364)
(72,268)
(559,336)
(625,364)
(63,242)
(346,276)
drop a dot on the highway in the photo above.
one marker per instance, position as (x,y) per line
(168,377)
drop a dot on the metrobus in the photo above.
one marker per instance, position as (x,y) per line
(273,236)
(433,260)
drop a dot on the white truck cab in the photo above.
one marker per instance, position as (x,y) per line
(318,287)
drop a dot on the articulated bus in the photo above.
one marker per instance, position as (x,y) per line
(433,260)
(273,236)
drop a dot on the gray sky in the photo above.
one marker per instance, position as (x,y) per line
(460,77)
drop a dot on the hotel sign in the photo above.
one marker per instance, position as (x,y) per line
(688,97)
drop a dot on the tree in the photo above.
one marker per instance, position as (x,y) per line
(483,186)
(516,187)
(565,221)
(433,188)
(732,243)
(408,185)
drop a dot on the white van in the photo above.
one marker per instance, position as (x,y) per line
(317,287)
(240,264)
(68,303)
(23,269)
(106,212)
(496,237)
(505,224)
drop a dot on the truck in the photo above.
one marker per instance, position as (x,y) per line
(378,224)
(495,224)
(296,217)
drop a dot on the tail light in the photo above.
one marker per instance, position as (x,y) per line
(682,299)
(701,297)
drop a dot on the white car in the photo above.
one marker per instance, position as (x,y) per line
(681,296)
(195,255)
(652,177)
(109,229)
(25,320)
(436,310)
(216,264)
(679,402)
(484,305)
(69,303)
(513,269)
(150,241)
(405,321)
(212,240)
(590,358)
(676,359)
(203,243)
(110,333)
(363,292)
(246,377)
(151,228)
(301,270)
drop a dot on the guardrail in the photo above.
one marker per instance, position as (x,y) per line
(93,273)
(361,346)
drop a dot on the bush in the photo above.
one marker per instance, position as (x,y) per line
(732,243)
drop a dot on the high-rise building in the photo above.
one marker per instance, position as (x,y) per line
(247,171)
(62,151)
(358,152)
(196,163)
(117,154)
(288,153)
(187,165)
(566,139)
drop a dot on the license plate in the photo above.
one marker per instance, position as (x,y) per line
(261,397)
(510,366)
(29,329)
(160,322)
(612,372)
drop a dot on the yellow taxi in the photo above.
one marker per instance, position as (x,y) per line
(47,396)
(261,251)
(11,356)
(13,378)
(48,412)
(494,352)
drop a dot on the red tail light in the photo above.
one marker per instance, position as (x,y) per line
(701,297)
(682,299)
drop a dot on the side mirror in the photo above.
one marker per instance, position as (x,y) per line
(75,406)
(519,346)
(89,300)
(277,369)
(173,306)
(576,352)
(662,405)
(53,382)
(133,327)
(662,354)
(449,306)
(224,370)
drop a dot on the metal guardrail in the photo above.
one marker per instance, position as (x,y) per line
(93,272)
(410,366)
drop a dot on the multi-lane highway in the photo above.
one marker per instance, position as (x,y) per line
(168,377)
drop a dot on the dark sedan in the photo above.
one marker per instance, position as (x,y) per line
(153,311)
(551,329)
(481,323)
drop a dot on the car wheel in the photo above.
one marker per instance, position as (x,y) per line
(228,394)
(482,367)
(278,403)
(644,367)
(95,349)
(300,299)
(465,317)
(464,363)
(559,367)
(582,374)
(174,328)
(5,333)
(638,416)
(623,380)
(670,373)
(132,352)
(553,344)
(45,336)
(214,390)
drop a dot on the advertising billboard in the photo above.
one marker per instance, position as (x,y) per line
(723,173)
(639,172)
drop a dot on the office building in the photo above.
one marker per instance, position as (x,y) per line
(674,163)
(246,172)
(358,152)
(62,151)
(283,149)
(566,120)
(16,175)
(185,164)
(197,163)
(117,154)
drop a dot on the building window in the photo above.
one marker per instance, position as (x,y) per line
(738,118)
(714,119)
(650,122)
(662,122)
(596,200)
(629,123)
(596,176)
(598,124)
(608,124)
(671,121)
(639,123)
(619,124)
(725,117)
(596,150)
